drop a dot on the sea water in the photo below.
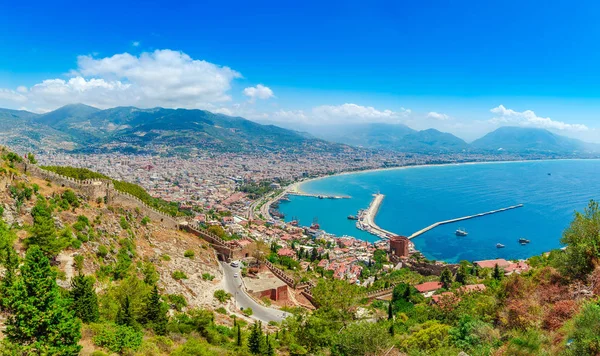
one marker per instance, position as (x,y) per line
(416,197)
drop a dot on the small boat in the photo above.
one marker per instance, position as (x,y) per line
(549,174)
(461,232)
(499,245)
(523,241)
(352,217)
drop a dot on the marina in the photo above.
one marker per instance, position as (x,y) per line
(366,220)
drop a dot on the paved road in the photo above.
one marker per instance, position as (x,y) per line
(234,286)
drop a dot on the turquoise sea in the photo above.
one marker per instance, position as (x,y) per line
(416,197)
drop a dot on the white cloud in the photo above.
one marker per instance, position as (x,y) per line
(258,92)
(437,116)
(161,78)
(353,113)
(530,119)
(135,43)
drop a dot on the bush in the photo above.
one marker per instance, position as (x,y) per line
(75,244)
(221,310)
(165,257)
(145,220)
(124,224)
(247,311)
(207,276)
(117,338)
(221,295)
(189,254)
(177,275)
(102,251)
(177,300)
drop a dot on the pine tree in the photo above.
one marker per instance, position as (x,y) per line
(461,274)
(239,335)
(390,311)
(40,321)
(156,314)
(125,314)
(446,278)
(44,231)
(270,351)
(255,340)
(497,273)
(11,264)
(391,330)
(85,300)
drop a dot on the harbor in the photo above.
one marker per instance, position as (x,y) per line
(366,219)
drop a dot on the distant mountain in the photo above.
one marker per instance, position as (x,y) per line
(176,130)
(431,140)
(530,140)
(375,135)
(396,137)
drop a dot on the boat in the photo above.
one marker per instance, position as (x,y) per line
(523,241)
(499,245)
(352,217)
(549,174)
(461,232)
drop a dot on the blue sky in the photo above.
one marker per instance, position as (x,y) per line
(464,67)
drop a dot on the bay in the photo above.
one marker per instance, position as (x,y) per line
(416,197)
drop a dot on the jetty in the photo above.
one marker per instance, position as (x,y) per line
(434,225)
(366,219)
(320,196)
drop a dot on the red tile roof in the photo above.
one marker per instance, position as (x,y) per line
(428,286)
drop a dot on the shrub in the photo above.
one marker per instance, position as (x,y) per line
(165,257)
(221,295)
(247,311)
(102,251)
(145,220)
(221,310)
(76,244)
(177,275)
(117,338)
(207,276)
(177,300)
(189,254)
(124,224)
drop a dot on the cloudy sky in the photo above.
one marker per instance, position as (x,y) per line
(466,68)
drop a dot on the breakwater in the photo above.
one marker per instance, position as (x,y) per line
(434,225)
(320,196)
(366,219)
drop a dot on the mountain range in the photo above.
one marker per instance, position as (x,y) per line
(82,128)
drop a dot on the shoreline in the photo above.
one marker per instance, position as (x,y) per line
(366,219)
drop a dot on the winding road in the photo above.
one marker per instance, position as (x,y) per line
(234,286)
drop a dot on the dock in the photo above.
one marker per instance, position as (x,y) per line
(366,219)
(320,196)
(433,226)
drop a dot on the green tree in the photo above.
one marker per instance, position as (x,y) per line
(255,340)
(390,311)
(11,264)
(44,231)
(582,238)
(31,158)
(156,313)
(498,273)
(446,278)
(362,338)
(270,351)
(462,272)
(585,335)
(85,300)
(125,314)
(40,321)
(239,336)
